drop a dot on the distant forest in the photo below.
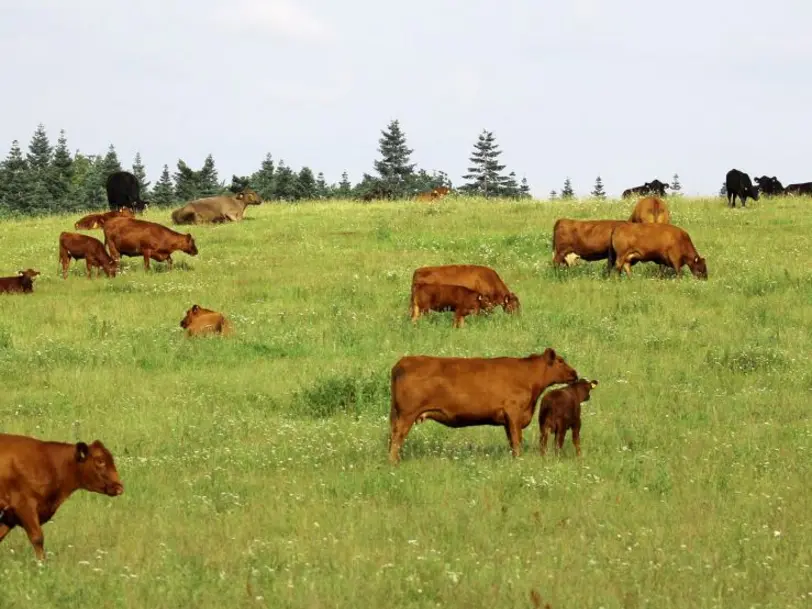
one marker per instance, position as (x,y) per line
(49,179)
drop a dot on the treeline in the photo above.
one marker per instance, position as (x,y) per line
(49,179)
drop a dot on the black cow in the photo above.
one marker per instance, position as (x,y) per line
(655,187)
(123,191)
(738,184)
(802,188)
(769,186)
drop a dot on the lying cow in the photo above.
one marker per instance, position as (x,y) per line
(481,279)
(23,283)
(77,247)
(800,189)
(560,410)
(37,477)
(225,208)
(434,194)
(665,244)
(461,392)
(130,237)
(655,187)
(587,239)
(651,209)
(770,186)
(92,221)
(204,321)
(439,297)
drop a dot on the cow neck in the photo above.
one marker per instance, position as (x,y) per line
(66,470)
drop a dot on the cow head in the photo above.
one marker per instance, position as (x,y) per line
(698,267)
(441,191)
(30,273)
(189,246)
(249,196)
(110,266)
(190,316)
(485,302)
(97,470)
(584,387)
(510,304)
(558,371)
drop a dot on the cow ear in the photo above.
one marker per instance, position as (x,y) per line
(549,355)
(696,260)
(20,272)
(82,451)
(240,196)
(593,384)
(195,308)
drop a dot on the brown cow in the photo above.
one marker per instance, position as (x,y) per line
(560,410)
(587,239)
(481,279)
(434,194)
(651,209)
(132,237)
(22,283)
(92,221)
(461,392)
(204,321)
(36,477)
(78,247)
(666,244)
(439,297)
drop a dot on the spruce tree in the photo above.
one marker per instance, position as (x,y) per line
(39,151)
(394,168)
(524,189)
(567,192)
(163,194)
(598,192)
(322,189)
(140,174)
(676,186)
(63,171)
(305,185)
(93,194)
(39,158)
(285,187)
(485,175)
(110,164)
(15,181)
(723,190)
(186,183)
(263,180)
(553,195)
(344,190)
(207,180)
(239,183)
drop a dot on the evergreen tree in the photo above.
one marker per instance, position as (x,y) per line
(63,171)
(39,158)
(306,185)
(15,181)
(39,151)
(322,189)
(239,183)
(510,187)
(140,174)
(394,168)
(110,164)
(524,189)
(676,186)
(567,192)
(485,175)
(553,195)
(598,192)
(263,180)
(344,190)
(186,185)
(163,194)
(207,180)
(285,187)
(723,190)
(92,193)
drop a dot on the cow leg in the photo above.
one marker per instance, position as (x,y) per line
(514,434)
(560,434)
(89,268)
(576,438)
(399,429)
(27,515)
(459,320)
(147,254)
(543,437)
(65,263)
(4,529)
(169,260)
(415,313)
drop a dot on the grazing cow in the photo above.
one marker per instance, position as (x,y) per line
(22,283)
(560,410)
(738,184)
(461,392)
(800,189)
(123,191)
(36,477)
(655,187)
(224,208)
(78,246)
(92,221)
(665,244)
(439,297)
(204,321)
(481,279)
(651,209)
(769,186)
(587,239)
(148,239)
(434,194)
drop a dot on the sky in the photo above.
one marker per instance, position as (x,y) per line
(626,89)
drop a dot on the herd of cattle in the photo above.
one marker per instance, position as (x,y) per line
(36,477)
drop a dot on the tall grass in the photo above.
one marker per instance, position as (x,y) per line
(255,467)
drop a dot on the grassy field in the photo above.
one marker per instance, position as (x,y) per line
(256,470)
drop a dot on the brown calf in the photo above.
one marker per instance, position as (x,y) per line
(37,477)
(22,283)
(587,239)
(651,209)
(481,279)
(666,244)
(437,297)
(92,221)
(204,321)
(130,237)
(78,247)
(560,410)
(460,392)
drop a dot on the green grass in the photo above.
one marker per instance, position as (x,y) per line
(255,467)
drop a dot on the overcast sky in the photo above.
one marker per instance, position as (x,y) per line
(628,89)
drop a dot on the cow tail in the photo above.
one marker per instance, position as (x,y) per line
(611,254)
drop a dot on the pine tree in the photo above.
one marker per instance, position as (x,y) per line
(305,185)
(239,183)
(676,186)
(110,164)
(394,168)
(63,171)
(263,179)
(484,176)
(92,193)
(567,192)
(344,190)
(163,194)
(140,174)
(39,158)
(524,189)
(15,181)
(39,151)
(207,180)
(553,195)
(510,187)
(285,187)
(598,192)
(186,185)
(322,190)
(723,190)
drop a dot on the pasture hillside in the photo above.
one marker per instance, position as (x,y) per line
(255,467)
